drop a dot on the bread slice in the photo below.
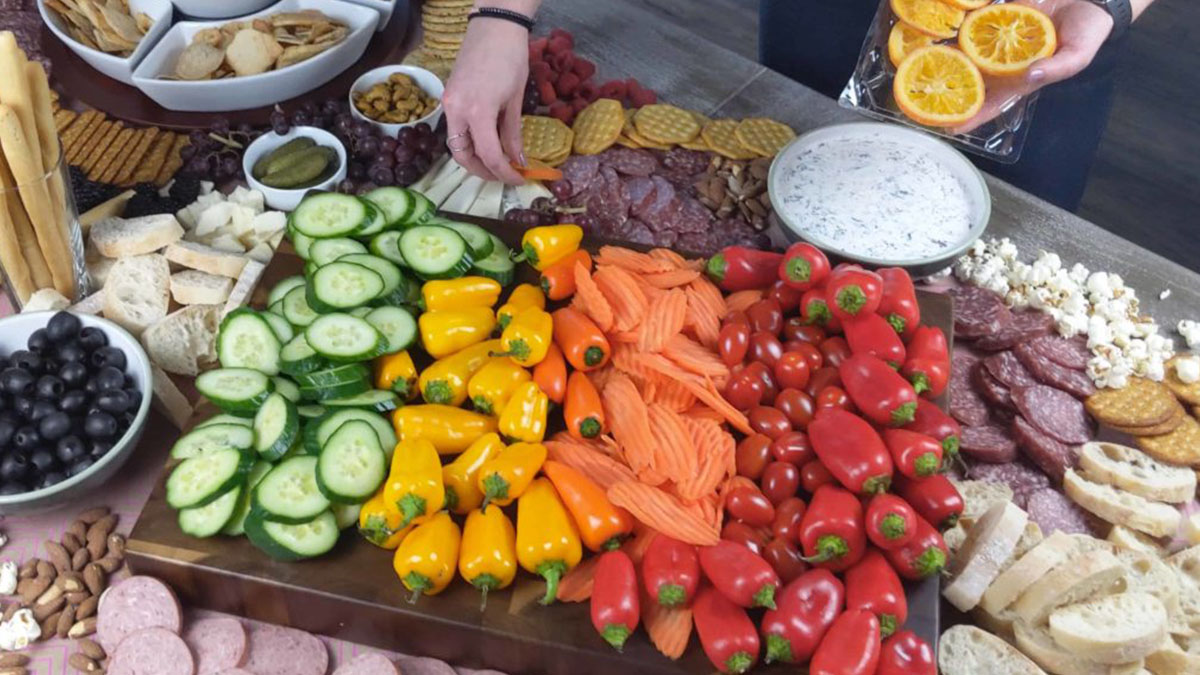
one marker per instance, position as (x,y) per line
(1123,537)
(45,300)
(1077,579)
(980,495)
(1007,587)
(1147,573)
(967,650)
(1191,528)
(990,543)
(98,270)
(1120,507)
(169,401)
(92,305)
(1038,645)
(1186,566)
(183,341)
(1134,471)
(137,293)
(120,237)
(206,259)
(193,287)
(1171,658)
(1112,629)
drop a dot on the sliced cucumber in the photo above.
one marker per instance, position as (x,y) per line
(334,376)
(435,252)
(377,400)
(246,340)
(325,251)
(394,291)
(275,427)
(396,324)
(342,338)
(292,542)
(386,245)
(478,239)
(360,312)
(346,515)
(210,437)
(352,464)
(235,526)
(296,309)
(319,431)
(287,387)
(329,214)
(334,391)
(310,411)
(498,265)
(297,357)
(205,521)
(342,285)
(421,212)
(395,202)
(238,391)
(280,325)
(378,220)
(224,418)
(289,492)
(301,242)
(281,289)
(203,479)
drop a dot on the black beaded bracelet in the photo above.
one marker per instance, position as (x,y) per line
(504,14)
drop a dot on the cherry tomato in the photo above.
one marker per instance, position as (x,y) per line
(813,475)
(798,406)
(785,558)
(752,456)
(760,371)
(769,421)
(750,506)
(733,342)
(815,358)
(744,390)
(835,350)
(780,480)
(795,329)
(736,316)
(765,348)
(792,370)
(826,376)
(765,315)
(787,297)
(793,346)
(788,515)
(752,538)
(793,448)
(834,397)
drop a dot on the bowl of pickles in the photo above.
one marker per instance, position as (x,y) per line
(286,166)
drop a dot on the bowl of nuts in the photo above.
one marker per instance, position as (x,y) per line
(394,97)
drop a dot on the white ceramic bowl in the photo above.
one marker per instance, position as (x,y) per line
(219,9)
(384,7)
(253,91)
(14,331)
(431,83)
(287,200)
(114,66)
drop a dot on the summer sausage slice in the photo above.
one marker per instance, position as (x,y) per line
(1007,369)
(152,651)
(988,443)
(219,643)
(275,650)
(1074,382)
(137,603)
(965,404)
(1054,412)
(1048,454)
(235,671)
(423,665)
(1066,352)
(991,389)
(1024,327)
(1052,510)
(368,664)
(978,312)
(1022,477)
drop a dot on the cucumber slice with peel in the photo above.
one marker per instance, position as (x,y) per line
(342,338)
(289,492)
(276,425)
(352,465)
(201,480)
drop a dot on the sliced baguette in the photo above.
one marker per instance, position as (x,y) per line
(1132,540)
(98,270)
(1120,507)
(1191,529)
(183,341)
(120,237)
(206,259)
(244,287)
(1147,573)
(193,287)
(1037,644)
(1112,629)
(1186,566)
(1171,659)
(967,650)
(91,305)
(1077,579)
(1134,471)
(989,544)
(1007,587)
(137,293)
(980,495)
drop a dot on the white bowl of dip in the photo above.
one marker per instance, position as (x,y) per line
(880,194)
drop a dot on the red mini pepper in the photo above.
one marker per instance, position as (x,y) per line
(614,604)
(922,557)
(933,421)
(883,396)
(898,305)
(853,291)
(807,608)
(739,574)
(785,558)
(726,632)
(670,571)
(934,498)
(873,585)
(905,653)
(852,450)
(850,647)
(871,334)
(804,266)
(787,296)
(832,535)
(915,455)
(928,363)
(891,521)
(815,310)
(738,268)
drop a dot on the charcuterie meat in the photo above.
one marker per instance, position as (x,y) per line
(629,161)
(152,651)
(988,443)
(275,650)
(1022,477)
(1024,327)
(235,671)
(965,404)
(1067,352)
(692,216)
(1054,412)
(1074,382)
(218,643)
(640,192)
(368,664)
(1052,510)
(685,161)
(978,312)
(472,671)
(990,388)
(423,665)
(135,604)
(1008,370)
(579,171)
(1047,453)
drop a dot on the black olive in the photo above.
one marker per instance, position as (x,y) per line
(113,401)
(26,360)
(23,407)
(73,402)
(40,409)
(52,478)
(92,338)
(71,351)
(100,425)
(26,438)
(4,405)
(49,387)
(12,488)
(10,415)
(135,397)
(100,448)
(126,420)
(73,373)
(109,356)
(43,460)
(70,448)
(7,430)
(63,326)
(108,377)
(54,426)
(39,341)
(16,381)
(80,465)
(14,467)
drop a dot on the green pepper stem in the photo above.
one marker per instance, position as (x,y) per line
(829,547)
(589,427)
(779,650)
(739,663)
(552,571)
(410,506)
(483,405)
(798,270)
(893,526)
(716,267)
(887,624)
(930,562)
(765,597)
(417,583)
(927,464)
(851,299)
(876,485)
(593,356)
(451,498)
(671,595)
(897,322)
(920,382)
(494,487)
(485,582)
(903,413)
(615,634)
(438,391)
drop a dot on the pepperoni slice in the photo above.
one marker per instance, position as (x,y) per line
(1024,326)
(965,404)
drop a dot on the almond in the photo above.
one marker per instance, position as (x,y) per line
(93,577)
(50,626)
(87,608)
(76,597)
(10,610)
(45,609)
(14,670)
(11,659)
(116,545)
(45,569)
(28,569)
(51,594)
(93,514)
(80,558)
(83,628)
(91,649)
(79,530)
(71,543)
(65,621)
(35,587)
(83,663)
(109,564)
(70,581)
(57,554)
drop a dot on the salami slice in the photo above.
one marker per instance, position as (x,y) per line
(368,664)
(686,161)
(219,643)
(1052,510)
(579,171)
(640,191)
(1044,451)
(989,443)
(1022,477)
(152,651)
(978,312)
(1067,352)
(1024,326)
(1074,382)
(135,604)
(965,404)
(664,204)
(1008,370)
(423,665)
(1055,413)
(990,388)
(275,650)
(629,161)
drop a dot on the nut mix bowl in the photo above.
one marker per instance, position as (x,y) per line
(365,86)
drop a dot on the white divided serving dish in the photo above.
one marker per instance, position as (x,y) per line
(117,67)
(385,8)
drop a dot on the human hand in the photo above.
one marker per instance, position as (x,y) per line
(483,100)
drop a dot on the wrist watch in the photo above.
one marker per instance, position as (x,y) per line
(1122,13)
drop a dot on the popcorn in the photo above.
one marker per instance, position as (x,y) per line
(8,577)
(1187,369)
(19,631)
(1190,330)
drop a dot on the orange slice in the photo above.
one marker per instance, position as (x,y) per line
(1006,39)
(904,40)
(938,86)
(968,4)
(931,17)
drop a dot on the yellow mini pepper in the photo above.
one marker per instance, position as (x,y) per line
(397,372)
(461,292)
(488,560)
(446,331)
(524,416)
(547,542)
(528,337)
(450,429)
(460,476)
(507,475)
(522,297)
(414,484)
(493,384)
(380,524)
(543,246)
(445,380)
(428,556)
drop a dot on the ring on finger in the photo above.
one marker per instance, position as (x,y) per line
(466,142)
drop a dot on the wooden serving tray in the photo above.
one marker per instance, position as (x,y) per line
(352,593)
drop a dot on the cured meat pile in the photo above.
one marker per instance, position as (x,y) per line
(647,197)
(22,18)
(1018,389)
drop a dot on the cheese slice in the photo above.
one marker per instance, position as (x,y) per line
(244,286)
(464,196)
(487,204)
(168,400)
(530,191)
(112,208)
(444,186)
(438,170)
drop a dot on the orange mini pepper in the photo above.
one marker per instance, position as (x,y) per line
(582,410)
(551,374)
(582,342)
(602,525)
(558,280)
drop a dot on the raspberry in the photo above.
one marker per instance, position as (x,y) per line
(583,68)
(568,82)
(640,97)
(558,45)
(537,49)
(588,92)
(564,34)
(540,70)
(562,61)
(579,103)
(546,92)
(613,89)
(562,110)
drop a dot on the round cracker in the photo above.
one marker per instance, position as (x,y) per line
(1140,403)
(721,136)
(763,135)
(597,126)
(665,123)
(545,137)
(1171,424)
(1181,446)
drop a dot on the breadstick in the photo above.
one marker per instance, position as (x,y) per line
(19,254)
(15,92)
(43,118)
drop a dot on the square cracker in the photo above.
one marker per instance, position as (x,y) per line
(1181,446)
(84,150)
(63,119)
(174,162)
(113,154)
(89,162)
(148,170)
(139,151)
(78,133)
